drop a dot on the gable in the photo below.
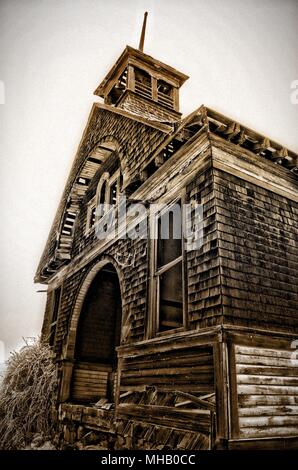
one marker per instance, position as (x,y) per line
(107,131)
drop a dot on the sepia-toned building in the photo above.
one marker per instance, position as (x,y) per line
(157,345)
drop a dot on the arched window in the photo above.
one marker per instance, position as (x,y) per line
(101,195)
(108,192)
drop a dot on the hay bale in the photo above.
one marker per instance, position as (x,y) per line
(27,395)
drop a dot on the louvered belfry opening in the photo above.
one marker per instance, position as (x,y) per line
(98,336)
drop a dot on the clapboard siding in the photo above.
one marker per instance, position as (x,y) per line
(89,382)
(189,370)
(267,388)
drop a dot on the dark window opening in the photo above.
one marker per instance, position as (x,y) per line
(171,299)
(98,336)
(103,193)
(169,268)
(165,94)
(169,248)
(99,326)
(102,199)
(164,87)
(143,84)
(113,193)
(118,90)
(92,217)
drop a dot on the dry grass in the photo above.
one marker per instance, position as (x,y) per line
(27,395)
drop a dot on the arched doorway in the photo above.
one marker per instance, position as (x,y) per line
(98,335)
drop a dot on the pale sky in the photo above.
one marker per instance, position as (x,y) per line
(241,56)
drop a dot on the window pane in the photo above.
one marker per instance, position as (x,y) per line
(113,193)
(169,245)
(92,217)
(57,294)
(164,87)
(171,299)
(55,311)
(102,193)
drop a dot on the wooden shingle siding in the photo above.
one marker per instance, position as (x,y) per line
(257,238)
(203,264)
(267,388)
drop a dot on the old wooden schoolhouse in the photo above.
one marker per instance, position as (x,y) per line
(158,346)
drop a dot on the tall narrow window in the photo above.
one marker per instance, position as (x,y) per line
(165,94)
(55,311)
(91,215)
(168,270)
(113,193)
(102,198)
(107,194)
(143,83)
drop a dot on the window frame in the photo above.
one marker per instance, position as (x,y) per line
(55,308)
(114,177)
(104,179)
(91,205)
(155,273)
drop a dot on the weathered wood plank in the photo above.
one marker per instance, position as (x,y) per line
(271,431)
(266,443)
(195,372)
(263,360)
(260,400)
(252,351)
(78,381)
(159,380)
(266,380)
(170,387)
(91,375)
(93,366)
(266,370)
(268,410)
(167,361)
(266,390)
(89,392)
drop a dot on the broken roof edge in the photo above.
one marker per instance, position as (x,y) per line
(37,277)
(250,132)
(161,126)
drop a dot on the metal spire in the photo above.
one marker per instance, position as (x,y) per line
(142,38)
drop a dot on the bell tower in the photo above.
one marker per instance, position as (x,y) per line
(142,85)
